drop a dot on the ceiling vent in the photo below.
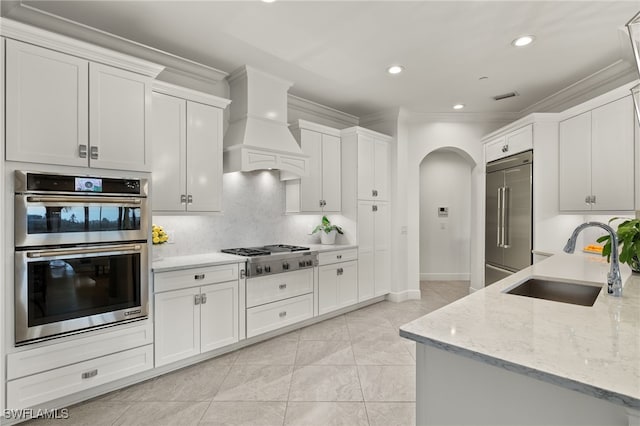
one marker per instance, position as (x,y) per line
(505,96)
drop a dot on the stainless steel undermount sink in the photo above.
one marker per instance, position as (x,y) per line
(558,291)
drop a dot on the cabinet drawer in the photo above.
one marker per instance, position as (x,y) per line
(494,149)
(330,257)
(278,314)
(276,287)
(48,357)
(185,278)
(39,388)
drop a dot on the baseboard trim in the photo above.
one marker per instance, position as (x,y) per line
(401,296)
(453,276)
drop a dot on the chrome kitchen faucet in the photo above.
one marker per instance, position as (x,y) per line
(614,280)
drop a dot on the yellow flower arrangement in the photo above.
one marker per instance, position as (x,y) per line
(158,235)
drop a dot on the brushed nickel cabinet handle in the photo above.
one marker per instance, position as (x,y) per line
(196,299)
(282,314)
(89,374)
(203,298)
(93,152)
(282,286)
(198,277)
(82,151)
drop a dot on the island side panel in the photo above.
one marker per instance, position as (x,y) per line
(455,390)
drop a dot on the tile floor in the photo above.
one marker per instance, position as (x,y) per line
(350,370)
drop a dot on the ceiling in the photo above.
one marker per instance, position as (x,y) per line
(336,52)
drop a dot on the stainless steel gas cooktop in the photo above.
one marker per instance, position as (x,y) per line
(275,258)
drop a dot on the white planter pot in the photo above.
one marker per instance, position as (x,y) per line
(329,238)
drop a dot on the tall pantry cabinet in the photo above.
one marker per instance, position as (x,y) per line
(365,199)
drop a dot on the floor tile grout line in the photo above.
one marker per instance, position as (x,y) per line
(293,369)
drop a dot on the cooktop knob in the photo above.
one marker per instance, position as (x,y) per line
(309,262)
(302,263)
(267,268)
(285,266)
(258,269)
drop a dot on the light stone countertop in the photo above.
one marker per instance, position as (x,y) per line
(174,263)
(591,349)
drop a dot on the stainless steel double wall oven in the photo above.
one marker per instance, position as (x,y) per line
(81,257)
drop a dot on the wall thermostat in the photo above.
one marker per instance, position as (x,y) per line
(443,211)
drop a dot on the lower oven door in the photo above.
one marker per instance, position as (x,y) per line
(65,290)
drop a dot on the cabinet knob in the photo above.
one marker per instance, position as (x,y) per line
(340,271)
(374,208)
(282,314)
(282,286)
(82,151)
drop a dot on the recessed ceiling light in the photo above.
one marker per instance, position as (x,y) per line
(458,106)
(268,1)
(395,69)
(523,41)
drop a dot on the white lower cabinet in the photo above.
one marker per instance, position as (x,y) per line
(337,280)
(196,319)
(272,316)
(51,371)
(374,249)
(43,387)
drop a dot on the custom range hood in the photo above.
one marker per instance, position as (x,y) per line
(258,137)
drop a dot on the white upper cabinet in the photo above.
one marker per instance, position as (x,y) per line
(321,190)
(373,168)
(519,140)
(187,150)
(118,117)
(51,89)
(597,159)
(87,114)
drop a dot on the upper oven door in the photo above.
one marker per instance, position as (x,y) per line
(43,219)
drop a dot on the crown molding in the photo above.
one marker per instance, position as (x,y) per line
(315,127)
(601,81)
(192,95)
(315,109)
(171,63)
(383,116)
(33,35)
(357,130)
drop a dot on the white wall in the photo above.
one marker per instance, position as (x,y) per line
(445,242)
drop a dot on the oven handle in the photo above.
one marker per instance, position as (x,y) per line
(84,250)
(101,200)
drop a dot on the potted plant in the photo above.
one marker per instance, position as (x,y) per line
(327,231)
(629,239)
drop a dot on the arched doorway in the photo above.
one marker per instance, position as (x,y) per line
(446,199)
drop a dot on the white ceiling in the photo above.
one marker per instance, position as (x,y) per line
(336,52)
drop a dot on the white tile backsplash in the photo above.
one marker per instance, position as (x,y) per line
(253,215)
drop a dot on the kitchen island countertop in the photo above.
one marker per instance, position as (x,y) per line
(594,350)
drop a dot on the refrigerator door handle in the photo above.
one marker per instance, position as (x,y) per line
(499,227)
(505,217)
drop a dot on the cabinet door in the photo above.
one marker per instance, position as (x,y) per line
(331,191)
(612,156)
(366,154)
(495,149)
(118,115)
(519,140)
(381,170)
(204,157)
(366,249)
(575,162)
(347,286)
(47,96)
(311,186)
(168,133)
(218,315)
(382,248)
(177,325)
(328,288)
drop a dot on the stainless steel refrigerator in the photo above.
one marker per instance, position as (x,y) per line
(508,220)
